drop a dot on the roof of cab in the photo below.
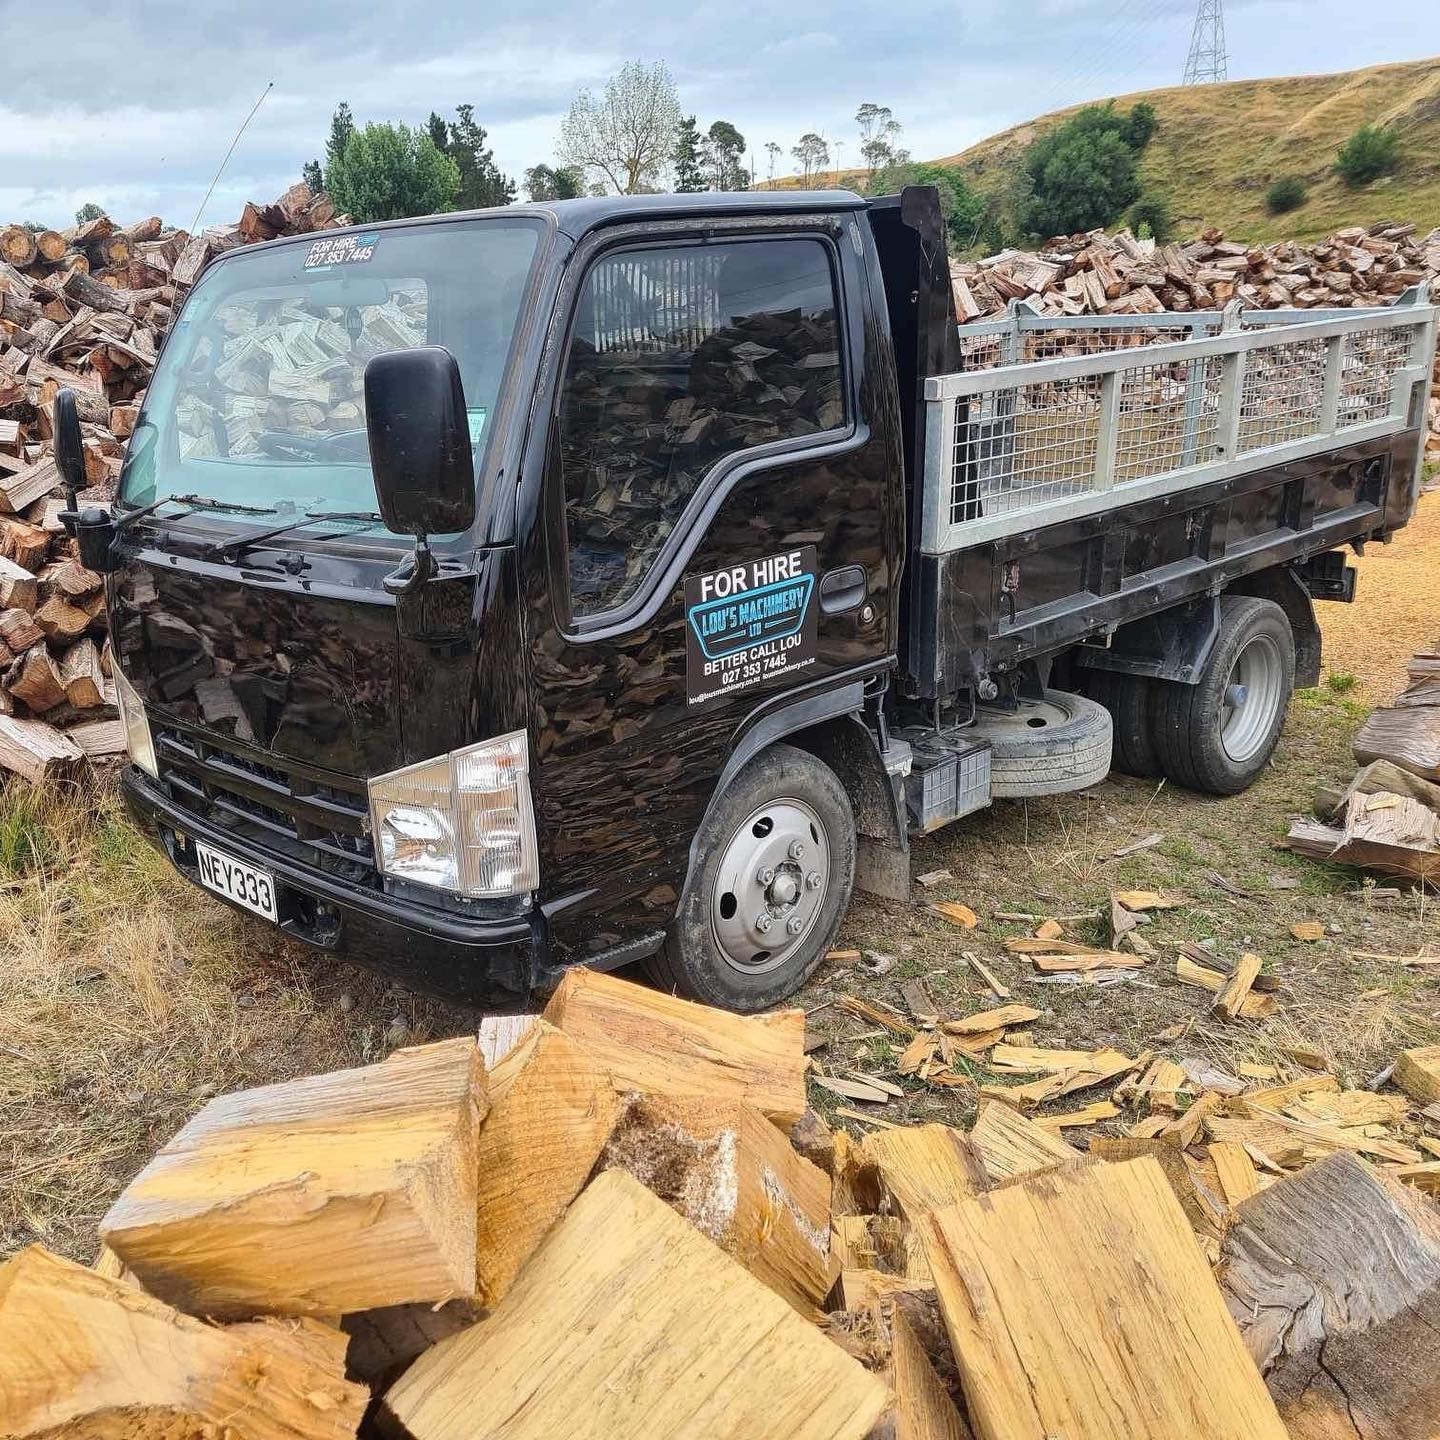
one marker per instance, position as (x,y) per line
(576,217)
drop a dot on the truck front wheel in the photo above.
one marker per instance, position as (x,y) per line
(773,870)
(1218,734)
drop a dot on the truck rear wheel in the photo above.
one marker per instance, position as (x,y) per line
(774,868)
(1218,734)
(1128,699)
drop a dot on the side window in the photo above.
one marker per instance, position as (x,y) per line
(680,356)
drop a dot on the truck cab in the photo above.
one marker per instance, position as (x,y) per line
(563,584)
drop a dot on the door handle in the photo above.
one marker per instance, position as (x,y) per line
(842,589)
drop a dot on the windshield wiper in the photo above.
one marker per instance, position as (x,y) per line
(233,548)
(191,502)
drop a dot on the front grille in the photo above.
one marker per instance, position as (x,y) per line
(320,823)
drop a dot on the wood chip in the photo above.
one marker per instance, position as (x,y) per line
(955,913)
(1308,930)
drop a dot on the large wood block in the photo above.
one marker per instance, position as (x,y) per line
(1011,1145)
(735,1177)
(1079,1304)
(338,1192)
(924,1167)
(83,1355)
(552,1110)
(1334,1277)
(647,1041)
(628,1324)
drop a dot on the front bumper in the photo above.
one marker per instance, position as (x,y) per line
(495,964)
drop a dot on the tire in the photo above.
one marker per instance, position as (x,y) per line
(1047,747)
(714,952)
(1206,740)
(1128,699)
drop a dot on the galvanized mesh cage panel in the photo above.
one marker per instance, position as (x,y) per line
(1024,446)
(1169,417)
(1368,366)
(1282,398)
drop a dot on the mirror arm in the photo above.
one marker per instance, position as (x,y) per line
(412,572)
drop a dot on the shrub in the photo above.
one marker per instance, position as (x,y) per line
(1083,172)
(1150,218)
(1370,152)
(1286,194)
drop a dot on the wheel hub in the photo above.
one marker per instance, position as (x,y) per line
(770,885)
(1253,694)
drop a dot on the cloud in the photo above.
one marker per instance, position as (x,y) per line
(150,92)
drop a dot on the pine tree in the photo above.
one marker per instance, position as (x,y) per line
(313,176)
(688,175)
(481,183)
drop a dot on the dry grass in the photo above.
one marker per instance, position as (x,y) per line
(1218,147)
(127,998)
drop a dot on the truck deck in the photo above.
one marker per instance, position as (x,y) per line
(1078,466)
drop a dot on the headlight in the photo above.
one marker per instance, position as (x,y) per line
(460,822)
(137,727)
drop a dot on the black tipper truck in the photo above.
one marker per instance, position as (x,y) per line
(627,579)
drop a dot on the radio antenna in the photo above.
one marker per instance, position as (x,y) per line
(196,221)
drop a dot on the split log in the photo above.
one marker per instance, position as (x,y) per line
(35,678)
(60,621)
(552,1110)
(36,750)
(338,1192)
(648,1041)
(923,1167)
(1230,1002)
(27,485)
(883,1339)
(629,1324)
(27,545)
(732,1175)
(1062,1294)
(1334,1277)
(1417,1073)
(1407,736)
(88,1355)
(1011,1146)
(99,739)
(81,675)
(17,587)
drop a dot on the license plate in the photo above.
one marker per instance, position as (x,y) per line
(235,880)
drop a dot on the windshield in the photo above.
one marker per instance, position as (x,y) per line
(258,399)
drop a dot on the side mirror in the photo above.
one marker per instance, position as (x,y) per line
(420,442)
(69,448)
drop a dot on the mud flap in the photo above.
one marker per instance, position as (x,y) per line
(882,868)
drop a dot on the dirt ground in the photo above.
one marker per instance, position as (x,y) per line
(127,998)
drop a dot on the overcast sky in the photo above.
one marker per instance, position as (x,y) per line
(137,106)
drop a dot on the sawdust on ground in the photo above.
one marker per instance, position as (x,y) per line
(1396,610)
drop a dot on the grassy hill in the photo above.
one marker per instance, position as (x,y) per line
(1217,147)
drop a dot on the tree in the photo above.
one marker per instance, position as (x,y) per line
(390,172)
(879,131)
(1140,125)
(87,212)
(1084,172)
(313,176)
(481,183)
(627,135)
(1150,218)
(687,158)
(772,154)
(545,182)
(963,209)
(1286,194)
(1372,151)
(342,127)
(724,151)
(438,130)
(812,154)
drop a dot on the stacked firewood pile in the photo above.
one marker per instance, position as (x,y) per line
(1388,818)
(1100,274)
(86,309)
(620,1220)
